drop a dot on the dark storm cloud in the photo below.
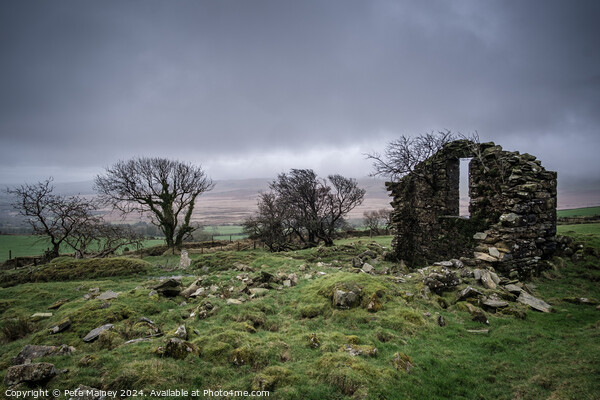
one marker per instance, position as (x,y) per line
(251,87)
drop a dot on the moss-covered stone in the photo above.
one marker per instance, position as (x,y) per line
(402,362)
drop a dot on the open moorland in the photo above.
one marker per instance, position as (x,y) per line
(280,322)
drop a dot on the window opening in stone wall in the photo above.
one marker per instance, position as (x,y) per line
(463,188)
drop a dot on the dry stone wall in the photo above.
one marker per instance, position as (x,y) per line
(512,223)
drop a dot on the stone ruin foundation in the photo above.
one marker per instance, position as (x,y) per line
(512,223)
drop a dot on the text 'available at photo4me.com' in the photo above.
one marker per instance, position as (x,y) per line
(150,394)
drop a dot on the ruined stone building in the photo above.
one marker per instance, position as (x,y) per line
(512,207)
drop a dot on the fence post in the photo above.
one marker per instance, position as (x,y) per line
(10,254)
(230,241)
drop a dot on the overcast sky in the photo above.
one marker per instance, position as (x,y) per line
(253,88)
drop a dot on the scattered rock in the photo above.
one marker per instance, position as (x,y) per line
(293,278)
(493,303)
(514,289)
(168,288)
(181,332)
(441,321)
(581,300)
(233,301)
(484,331)
(446,264)
(468,292)
(368,268)
(108,295)
(374,303)
(29,373)
(440,281)
(184,260)
(177,348)
(367,254)
(480,236)
(198,292)
(485,277)
(484,257)
(536,304)
(40,315)
(94,333)
(31,352)
(494,252)
(402,362)
(146,320)
(313,341)
(356,350)
(287,283)
(58,304)
(346,298)
(61,325)
(191,290)
(259,291)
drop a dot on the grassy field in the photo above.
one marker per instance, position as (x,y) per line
(28,245)
(293,342)
(579,212)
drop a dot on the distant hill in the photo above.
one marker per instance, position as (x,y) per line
(233,200)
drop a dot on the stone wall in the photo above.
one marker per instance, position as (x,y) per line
(512,224)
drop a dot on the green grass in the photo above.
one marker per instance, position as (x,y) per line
(268,341)
(29,245)
(579,212)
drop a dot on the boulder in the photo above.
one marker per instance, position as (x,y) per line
(168,288)
(468,292)
(192,289)
(94,333)
(368,268)
(30,373)
(177,348)
(181,332)
(108,295)
(536,304)
(31,352)
(61,325)
(345,299)
(514,289)
(494,303)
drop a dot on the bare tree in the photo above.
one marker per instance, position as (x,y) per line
(377,219)
(51,215)
(98,239)
(402,155)
(270,225)
(303,207)
(166,189)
